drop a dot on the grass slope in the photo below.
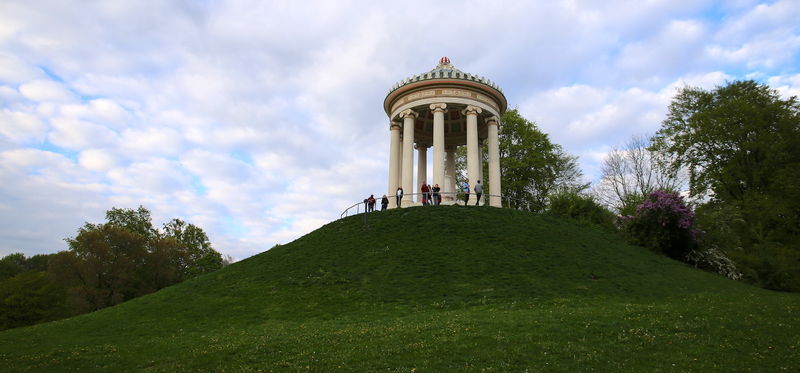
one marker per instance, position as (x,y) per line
(433,289)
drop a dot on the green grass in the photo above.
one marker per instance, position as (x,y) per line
(433,289)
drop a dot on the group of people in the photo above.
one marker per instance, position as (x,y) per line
(478,192)
(370,202)
(430,195)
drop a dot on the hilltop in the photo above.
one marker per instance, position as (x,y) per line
(438,289)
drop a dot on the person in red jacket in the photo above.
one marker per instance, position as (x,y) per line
(426,191)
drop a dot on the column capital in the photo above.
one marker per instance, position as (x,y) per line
(472,110)
(395,126)
(438,107)
(493,120)
(408,113)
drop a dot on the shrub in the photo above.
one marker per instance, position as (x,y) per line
(713,260)
(583,208)
(663,222)
(774,267)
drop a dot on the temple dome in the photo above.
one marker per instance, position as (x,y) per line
(445,72)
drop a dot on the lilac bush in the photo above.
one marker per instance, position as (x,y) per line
(663,222)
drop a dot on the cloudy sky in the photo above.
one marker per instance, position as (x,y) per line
(259,121)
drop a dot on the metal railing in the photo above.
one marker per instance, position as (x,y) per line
(455,198)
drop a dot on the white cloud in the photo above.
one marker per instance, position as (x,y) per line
(50,195)
(587,120)
(764,36)
(77,134)
(21,127)
(47,91)
(97,159)
(787,85)
(158,177)
(151,141)
(101,110)
(14,71)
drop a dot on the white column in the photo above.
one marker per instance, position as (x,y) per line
(422,168)
(480,161)
(494,162)
(399,163)
(450,179)
(408,153)
(394,161)
(438,143)
(472,148)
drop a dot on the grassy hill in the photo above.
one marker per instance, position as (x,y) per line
(433,289)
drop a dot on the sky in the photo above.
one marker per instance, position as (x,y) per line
(260,121)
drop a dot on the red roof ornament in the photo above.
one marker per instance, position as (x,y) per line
(444,61)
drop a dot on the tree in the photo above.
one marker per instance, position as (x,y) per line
(741,144)
(632,172)
(137,221)
(531,166)
(201,257)
(29,298)
(108,265)
(12,265)
(126,257)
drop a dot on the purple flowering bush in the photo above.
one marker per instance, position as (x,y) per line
(663,222)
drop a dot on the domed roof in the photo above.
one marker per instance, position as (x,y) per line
(445,71)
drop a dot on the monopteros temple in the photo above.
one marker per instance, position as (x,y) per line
(442,109)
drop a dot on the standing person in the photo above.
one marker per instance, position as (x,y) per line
(425,194)
(478,192)
(398,195)
(384,203)
(437,198)
(465,189)
(371,203)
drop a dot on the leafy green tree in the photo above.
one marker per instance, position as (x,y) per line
(126,257)
(109,265)
(29,298)
(201,257)
(741,144)
(12,265)
(137,221)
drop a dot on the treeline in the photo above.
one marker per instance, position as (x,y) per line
(718,186)
(106,264)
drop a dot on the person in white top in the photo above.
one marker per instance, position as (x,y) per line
(398,195)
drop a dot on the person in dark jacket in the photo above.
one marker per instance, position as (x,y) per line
(384,203)
(437,198)
(371,203)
